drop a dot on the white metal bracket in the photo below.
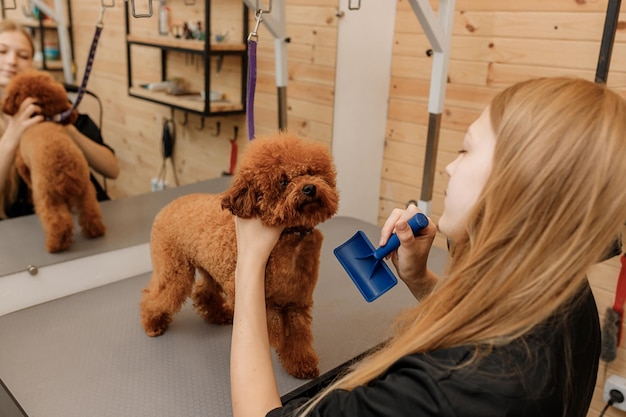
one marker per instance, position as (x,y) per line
(59,17)
(438,30)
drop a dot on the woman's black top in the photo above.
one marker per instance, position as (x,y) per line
(527,378)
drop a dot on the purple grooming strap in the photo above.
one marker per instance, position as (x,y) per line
(251,87)
(83,85)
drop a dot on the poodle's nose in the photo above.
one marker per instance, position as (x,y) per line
(309,190)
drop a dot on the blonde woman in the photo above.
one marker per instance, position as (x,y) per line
(534,199)
(16,55)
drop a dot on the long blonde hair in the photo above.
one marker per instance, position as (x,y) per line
(9,192)
(552,204)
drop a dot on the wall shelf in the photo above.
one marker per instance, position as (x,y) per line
(190,45)
(190,103)
(209,61)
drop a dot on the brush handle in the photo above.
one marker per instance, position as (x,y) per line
(417,223)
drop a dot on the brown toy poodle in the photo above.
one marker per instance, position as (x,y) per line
(283,180)
(52,165)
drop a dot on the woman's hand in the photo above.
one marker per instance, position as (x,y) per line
(255,241)
(411,257)
(26,116)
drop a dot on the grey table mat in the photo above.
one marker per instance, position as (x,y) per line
(87,355)
(128,222)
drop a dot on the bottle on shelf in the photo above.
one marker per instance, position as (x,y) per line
(164,18)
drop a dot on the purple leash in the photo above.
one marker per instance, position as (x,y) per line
(251,87)
(81,91)
(252,43)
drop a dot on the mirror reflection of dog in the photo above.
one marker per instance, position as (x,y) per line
(53,166)
(283,180)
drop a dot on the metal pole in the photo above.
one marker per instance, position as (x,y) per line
(439,33)
(608,38)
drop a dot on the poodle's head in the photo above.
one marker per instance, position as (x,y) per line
(284,180)
(49,93)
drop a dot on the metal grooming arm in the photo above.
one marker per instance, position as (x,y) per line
(439,33)
(275,23)
(59,17)
(608,38)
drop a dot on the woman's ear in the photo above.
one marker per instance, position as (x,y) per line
(240,199)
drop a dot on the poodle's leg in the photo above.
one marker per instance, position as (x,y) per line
(89,215)
(57,221)
(210,301)
(290,333)
(170,285)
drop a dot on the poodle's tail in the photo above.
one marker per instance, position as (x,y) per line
(72,174)
(61,167)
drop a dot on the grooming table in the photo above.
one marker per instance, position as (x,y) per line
(85,354)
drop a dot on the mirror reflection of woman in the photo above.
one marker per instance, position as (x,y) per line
(16,55)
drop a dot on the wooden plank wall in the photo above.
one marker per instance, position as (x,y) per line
(495,43)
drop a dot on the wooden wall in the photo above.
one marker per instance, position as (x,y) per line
(495,43)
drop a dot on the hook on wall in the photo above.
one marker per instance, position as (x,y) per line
(218,128)
(9,7)
(259,9)
(201,124)
(26,12)
(139,15)
(236,133)
(351,7)
(185,119)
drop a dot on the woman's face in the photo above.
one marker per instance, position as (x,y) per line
(16,55)
(468,174)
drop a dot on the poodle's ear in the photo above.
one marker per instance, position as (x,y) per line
(11,104)
(240,199)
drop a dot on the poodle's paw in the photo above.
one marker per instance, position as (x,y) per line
(93,229)
(155,325)
(306,368)
(59,241)
(214,315)
(299,361)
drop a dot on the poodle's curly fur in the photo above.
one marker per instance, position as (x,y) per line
(283,180)
(52,165)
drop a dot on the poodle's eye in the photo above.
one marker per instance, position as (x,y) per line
(284,181)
